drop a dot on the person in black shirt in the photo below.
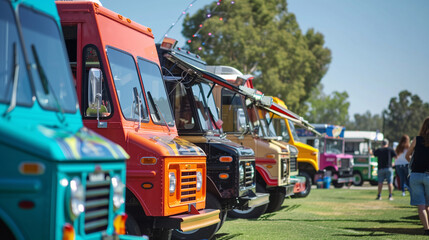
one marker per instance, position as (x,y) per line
(419,177)
(385,154)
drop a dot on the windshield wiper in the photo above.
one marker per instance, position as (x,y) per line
(45,83)
(15,80)
(157,111)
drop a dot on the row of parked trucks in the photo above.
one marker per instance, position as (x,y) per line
(107,135)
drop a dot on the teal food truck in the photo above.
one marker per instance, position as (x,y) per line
(359,144)
(58,180)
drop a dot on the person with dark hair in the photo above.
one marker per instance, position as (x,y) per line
(401,164)
(419,177)
(385,171)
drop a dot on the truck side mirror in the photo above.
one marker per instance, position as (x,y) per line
(240,120)
(95,81)
(94,86)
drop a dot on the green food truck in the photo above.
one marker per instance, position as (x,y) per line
(58,180)
(359,144)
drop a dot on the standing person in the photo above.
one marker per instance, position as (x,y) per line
(385,171)
(401,164)
(419,177)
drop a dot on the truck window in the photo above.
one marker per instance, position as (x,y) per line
(52,78)
(334,146)
(183,111)
(201,107)
(155,90)
(92,61)
(232,105)
(12,64)
(271,132)
(126,78)
(281,128)
(70,39)
(211,104)
(293,131)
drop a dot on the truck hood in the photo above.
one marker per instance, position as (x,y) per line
(59,144)
(165,144)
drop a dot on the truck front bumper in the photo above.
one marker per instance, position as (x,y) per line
(188,222)
(299,183)
(289,190)
(258,199)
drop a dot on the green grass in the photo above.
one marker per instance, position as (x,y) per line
(332,214)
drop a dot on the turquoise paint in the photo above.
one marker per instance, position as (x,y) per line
(63,147)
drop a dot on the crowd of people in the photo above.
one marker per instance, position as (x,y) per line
(412,167)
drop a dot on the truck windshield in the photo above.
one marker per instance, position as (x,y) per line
(154,86)
(357,148)
(233,112)
(205,107)
(126,79)
(281,128)
(12,65)
(49,66)
(293,131)
(334,146)
(211,105)
(268,125)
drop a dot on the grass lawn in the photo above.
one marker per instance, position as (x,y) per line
(332,214)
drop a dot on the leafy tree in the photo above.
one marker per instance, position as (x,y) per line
(404,115)
(260,37)
(366,122)
(332,109)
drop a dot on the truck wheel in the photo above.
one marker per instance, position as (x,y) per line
(338,185)
(207,232)
(373,183)
(132,227)
(276,201)
(357,178)
(308,183)
(253,212)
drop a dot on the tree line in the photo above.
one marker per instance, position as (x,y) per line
(262,38)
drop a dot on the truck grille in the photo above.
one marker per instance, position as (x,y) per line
(293,164)
(284,170)
(345,163)
(97,204)
(248,178)
(188,186)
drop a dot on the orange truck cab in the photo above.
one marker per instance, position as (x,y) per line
(242,122)
(122,97)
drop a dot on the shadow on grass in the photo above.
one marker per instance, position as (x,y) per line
(226,236)
(263,218)
(385,231)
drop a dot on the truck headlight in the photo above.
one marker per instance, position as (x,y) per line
(118,192)
(241,173)
(172,177)
(284,166)
(199,181)
(252,171)
(77,197)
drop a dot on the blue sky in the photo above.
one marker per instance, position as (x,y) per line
(379,47)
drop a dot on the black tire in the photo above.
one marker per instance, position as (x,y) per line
(373,183)
(276,201)
(338,185)
(357,178)
(222,219)
(207,232)
(308,183)
(132,227)
(250,213)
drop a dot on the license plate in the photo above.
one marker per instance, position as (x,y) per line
(96,177)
